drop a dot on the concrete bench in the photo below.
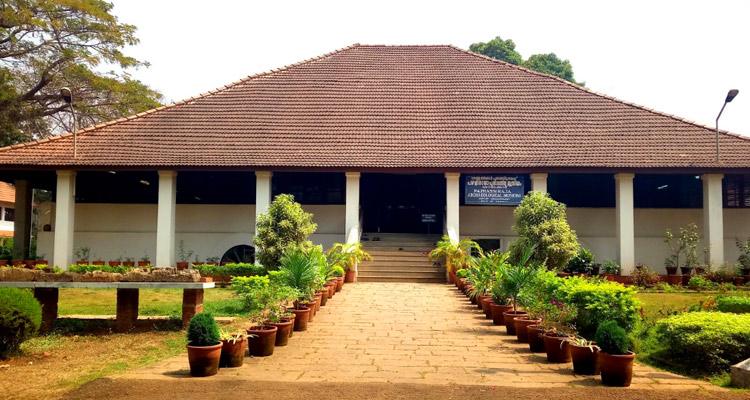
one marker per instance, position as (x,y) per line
(47,293)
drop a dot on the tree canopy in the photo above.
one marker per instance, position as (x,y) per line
(505,50)
(46,45)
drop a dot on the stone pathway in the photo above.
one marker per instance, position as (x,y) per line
(408,333)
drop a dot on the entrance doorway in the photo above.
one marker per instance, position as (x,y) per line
(396,203)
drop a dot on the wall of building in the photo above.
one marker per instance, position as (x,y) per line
(596,229)
(129,230)
(5,226)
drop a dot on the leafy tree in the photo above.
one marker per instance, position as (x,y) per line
(505,50)
(498,49)
(541,223)
(285,225)
(550,64)
(49,44)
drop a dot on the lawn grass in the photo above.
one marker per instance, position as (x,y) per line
(220,302)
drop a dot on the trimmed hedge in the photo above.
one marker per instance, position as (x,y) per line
(598,301)
(20,317)
(707,342)
(231,269)
(83,268)
(737,305)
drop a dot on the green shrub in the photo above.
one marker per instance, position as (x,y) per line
(83,268)
(20,318)
(203,330)
(737,305)
(583,262)
(699,283)
(598,301)
(705,342)
(239,269)
(645,277)
(463,273)
(285,224)
(337,271)
(541,222)
(612,339)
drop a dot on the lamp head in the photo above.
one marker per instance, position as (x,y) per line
(67,95)
(731,95)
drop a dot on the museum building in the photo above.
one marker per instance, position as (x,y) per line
(417,141)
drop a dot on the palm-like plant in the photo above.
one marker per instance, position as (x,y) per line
(455,254)
(483,271)
(301,272)
(347,255)
(516,277)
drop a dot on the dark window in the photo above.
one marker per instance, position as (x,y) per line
(737,191)
(668,191)
(311,188)
(125,187)
(582,190)
(10,214)
(225,187)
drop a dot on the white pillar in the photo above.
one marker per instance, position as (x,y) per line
(65,207)
(713,217)
(165,219)
(22,221)
(539,182)
(262,194)
(625,223)
(352,202)
(452,201)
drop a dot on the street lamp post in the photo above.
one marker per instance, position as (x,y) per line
(67,95)
(730,96)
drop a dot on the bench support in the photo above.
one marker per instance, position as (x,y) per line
(48,298)
(127,309)
(192,303)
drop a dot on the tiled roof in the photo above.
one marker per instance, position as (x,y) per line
(7,193)
(393,107)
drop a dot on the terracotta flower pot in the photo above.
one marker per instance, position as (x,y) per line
(536,341)
(311,306)
(609,277)
(144,263)
(324,298)
(558,350)
(301,318)
(98,262)
(350,276)
(128,263)
(318,298)
(204,360)
(522,324)
(616,370)
(284,330)
(262,343)
(182,265)
(330,288)
(585,359)
(510,324)
(114,263)
(487,306)
(674,279)
(233,353)
(16,263)
(497,313)
(3,263)
(739,280)
(339,283)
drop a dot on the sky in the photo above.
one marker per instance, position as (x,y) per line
(678,57)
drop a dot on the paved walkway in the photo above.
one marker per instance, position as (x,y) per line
(408,333)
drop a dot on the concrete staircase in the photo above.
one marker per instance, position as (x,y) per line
(399,257)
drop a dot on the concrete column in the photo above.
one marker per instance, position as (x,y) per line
(22,221)
(65,207)
(713,217)
(452,201)
(352,202)
(625,223)
(262,194)
(539,182)
(165,219)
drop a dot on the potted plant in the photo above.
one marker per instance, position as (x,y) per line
(233,346)
(338,273)
(615,357)
(129,262)
(454,253)
(559,317)
(585,355)
(582,263)
(687,245)
(482,275)
(145,261)
(514,279)
(184,255)
(300,273)
(82,254)
(348,256)
(610,269)
(204,348)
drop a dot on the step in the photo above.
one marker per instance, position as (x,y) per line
(398,255)
(402,263)
(423,270)
(400,279)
